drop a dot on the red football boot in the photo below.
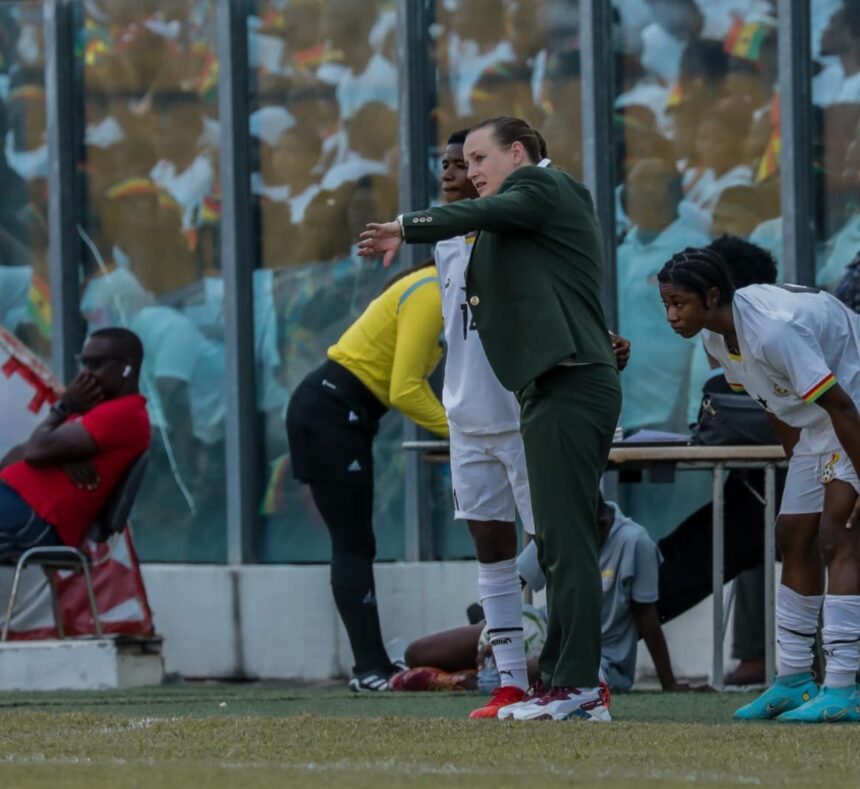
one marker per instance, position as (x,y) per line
(499,697)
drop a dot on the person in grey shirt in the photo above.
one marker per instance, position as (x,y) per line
(629,570)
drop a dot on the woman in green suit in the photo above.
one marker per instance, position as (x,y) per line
(533,288)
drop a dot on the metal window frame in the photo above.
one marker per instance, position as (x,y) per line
(416,88)
(62,120)
(237,261)
(598,137)
(797,187)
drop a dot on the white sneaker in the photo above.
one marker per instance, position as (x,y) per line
(532,694)
(561,704)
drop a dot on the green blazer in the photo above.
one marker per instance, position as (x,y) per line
(534,277)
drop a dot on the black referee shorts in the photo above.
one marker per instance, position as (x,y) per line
(332,419)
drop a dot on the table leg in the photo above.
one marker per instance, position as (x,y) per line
(769,560)
(718,575)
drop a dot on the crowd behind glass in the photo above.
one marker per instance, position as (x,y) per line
(697,151)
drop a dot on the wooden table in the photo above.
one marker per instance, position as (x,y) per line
(719,460)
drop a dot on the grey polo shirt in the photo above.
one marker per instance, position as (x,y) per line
(629,572)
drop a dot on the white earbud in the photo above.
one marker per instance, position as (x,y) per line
(126,371)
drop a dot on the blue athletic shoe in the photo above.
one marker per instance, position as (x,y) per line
(831,705)
(786,693)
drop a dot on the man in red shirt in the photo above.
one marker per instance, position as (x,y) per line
(54,485)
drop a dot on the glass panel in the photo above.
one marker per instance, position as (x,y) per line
(151,258)
(324,148)
(25,304)
(697,146)
(836,96)
(494,58)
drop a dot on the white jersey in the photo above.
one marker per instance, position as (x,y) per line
(474,400)
(794,345)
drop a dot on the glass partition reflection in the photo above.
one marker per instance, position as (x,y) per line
(836,96)
(324,162)
(150,240)
(495,57)
(25,305)
(697,142)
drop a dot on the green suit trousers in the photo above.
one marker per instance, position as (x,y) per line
(568,418)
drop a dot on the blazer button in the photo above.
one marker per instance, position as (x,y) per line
(474,301)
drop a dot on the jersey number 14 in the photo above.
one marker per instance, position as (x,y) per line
(468,321)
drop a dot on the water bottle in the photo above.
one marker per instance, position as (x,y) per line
(488,676)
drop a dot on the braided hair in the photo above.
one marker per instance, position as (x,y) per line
(748,263)
(698,269)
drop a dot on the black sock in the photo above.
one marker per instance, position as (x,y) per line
(355,598)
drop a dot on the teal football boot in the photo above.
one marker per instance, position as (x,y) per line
(787,693)
(831,705)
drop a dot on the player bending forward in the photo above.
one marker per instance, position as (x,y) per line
(488,467)
(797,352)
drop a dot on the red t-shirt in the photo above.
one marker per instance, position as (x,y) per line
(120,428)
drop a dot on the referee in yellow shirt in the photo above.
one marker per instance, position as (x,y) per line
(382,361)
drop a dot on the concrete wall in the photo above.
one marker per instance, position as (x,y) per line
(279,621)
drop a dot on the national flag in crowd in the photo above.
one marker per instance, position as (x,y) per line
(769,163)
(744,39)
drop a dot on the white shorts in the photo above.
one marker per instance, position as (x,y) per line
(807,476)
(488,477)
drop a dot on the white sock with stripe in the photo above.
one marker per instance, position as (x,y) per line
(796,624)
(841,637)
(502,599)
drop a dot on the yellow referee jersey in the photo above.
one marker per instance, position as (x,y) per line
(394,345)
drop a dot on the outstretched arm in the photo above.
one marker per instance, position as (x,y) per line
(527,200)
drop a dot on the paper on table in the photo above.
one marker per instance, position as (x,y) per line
(656,437)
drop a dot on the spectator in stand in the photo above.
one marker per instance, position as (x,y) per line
(843,245)
(737,212)
(717,163)
(360,61)
(839,82)
(285,174)
(676,23)
(54,485)
(652,397)
(372,146)
(477,42)
(703,71)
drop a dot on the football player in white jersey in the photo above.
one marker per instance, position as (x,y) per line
(488,468)
(797,352)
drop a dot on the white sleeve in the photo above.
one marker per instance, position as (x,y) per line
(794,352)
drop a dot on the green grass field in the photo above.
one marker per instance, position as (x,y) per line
(214,735)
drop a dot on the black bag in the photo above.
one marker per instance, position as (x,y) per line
(730,418)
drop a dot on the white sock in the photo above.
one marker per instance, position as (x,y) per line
(796,623)
(502,599)
(841,636)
